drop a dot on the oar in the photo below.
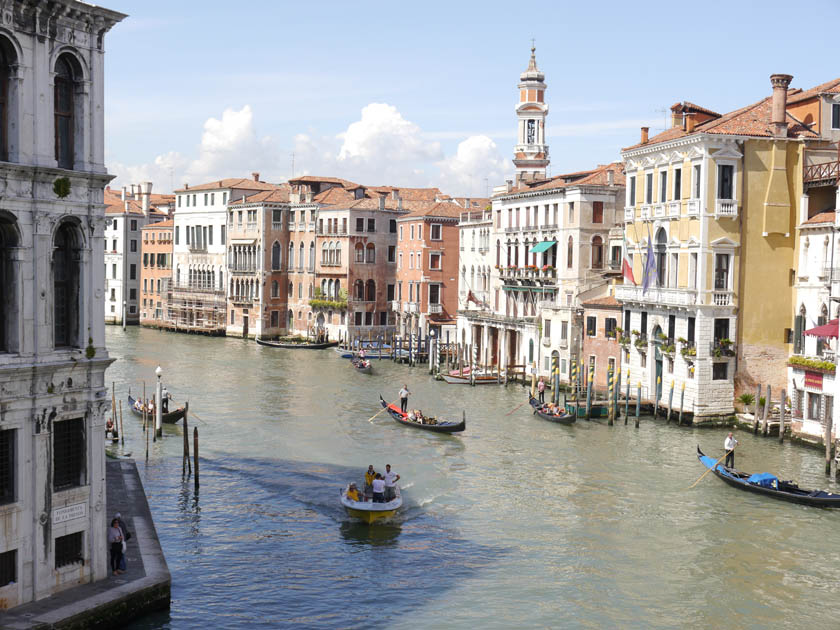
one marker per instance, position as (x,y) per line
(711,469)
(380,411)
(514,409)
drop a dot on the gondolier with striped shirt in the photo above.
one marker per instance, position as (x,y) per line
(404,398)
(729,445)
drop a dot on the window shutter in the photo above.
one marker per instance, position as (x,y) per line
(797,338)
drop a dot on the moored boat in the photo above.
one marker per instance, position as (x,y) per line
(368,511)
(170,417)
(291,344)
(566,417)
(769,485)
(439,426)
(466,379)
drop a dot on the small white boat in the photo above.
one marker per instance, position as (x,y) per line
(368,511)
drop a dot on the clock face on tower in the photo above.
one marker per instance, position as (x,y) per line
(531,132)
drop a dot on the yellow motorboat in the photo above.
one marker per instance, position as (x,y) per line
(368,511)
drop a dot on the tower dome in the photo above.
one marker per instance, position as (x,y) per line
(531,151)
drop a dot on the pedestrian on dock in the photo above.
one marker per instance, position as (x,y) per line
(391,479)
(541,389)
(115,540)
(729,445)
(126,536)
(404,393)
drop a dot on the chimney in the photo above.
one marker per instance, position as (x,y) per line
(690,122)
(645,134)
(123,193)
(133,190)
(610,177)
(382,202)
(780,83)
(509,184)
(186,186)
(399,203)
(146,196)
(256,176)
(676,118)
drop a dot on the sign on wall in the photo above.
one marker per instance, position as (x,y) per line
(814,380)
(62,515)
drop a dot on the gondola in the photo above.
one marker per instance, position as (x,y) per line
(364,366)
(441,427)
(168,418)
(291,345)
(566,418)
(769,485)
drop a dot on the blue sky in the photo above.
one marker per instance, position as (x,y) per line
(424,93)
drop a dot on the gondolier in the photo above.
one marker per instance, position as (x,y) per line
(729,445)
(404,398)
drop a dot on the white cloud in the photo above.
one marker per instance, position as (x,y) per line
(381,147)
(476,160)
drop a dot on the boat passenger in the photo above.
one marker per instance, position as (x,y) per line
(412,415)
(378,489)
(362,355)
(353,493)
(370,475)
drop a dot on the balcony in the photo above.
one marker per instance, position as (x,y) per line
(291,226)
(673,208)
(676,297)
(659,210)
(693,206)
(276,225)
(395,305)
(629,214)
(332,231)
(722,298)
(721,348)
(645,212)
(512,229)
(198,248)
(435,309)
(411,308)
(825,172)
(726,208)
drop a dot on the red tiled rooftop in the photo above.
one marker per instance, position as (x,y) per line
(826,216)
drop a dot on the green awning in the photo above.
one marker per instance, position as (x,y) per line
(539,248)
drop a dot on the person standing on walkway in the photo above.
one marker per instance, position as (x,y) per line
(729,445)
(391,479)
(404,398)
(115,540)
(541,389)
(126,536)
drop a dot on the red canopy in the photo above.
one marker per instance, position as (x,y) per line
(826,330)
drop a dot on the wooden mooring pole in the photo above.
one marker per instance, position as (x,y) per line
(638,403)
(670,403)
(627,398)
(610,401)
(756,414)
(765,422)
(185,465)
(122,434)
(682,400)
(782,417)
(195,455)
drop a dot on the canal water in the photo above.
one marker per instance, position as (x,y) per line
(516,523)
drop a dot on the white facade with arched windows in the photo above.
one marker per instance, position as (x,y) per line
(52,337)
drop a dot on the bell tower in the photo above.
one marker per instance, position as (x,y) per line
(531,151)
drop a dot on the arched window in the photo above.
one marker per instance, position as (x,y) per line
(300,290)
(300,257)
(370,291)
(312,256)
(337,248)
(66,279)
(311,290)
(276,256)
(8,285)
(570,253)
(63,110)
(291,289)
(359,290)
(290,319)
(360,253)
(325,253)
(5,77)
(597,252)
(275,289)
(291,256)
(336,289)
(498,253)
(370,253)
(660,249)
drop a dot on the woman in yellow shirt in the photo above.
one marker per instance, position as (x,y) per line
(353,493)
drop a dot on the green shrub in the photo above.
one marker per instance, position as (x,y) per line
(746,399)
(817,364)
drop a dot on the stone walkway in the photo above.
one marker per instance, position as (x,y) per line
(110,603)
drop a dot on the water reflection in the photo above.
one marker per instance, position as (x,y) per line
(378,535)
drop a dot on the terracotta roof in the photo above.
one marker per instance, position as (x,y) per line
(443,209)
(234,182)
(160,224)
(826,216)
(335,196)
(593,177)
(609,301)
(279,194)
(687,106)
(829,87)
(304,179)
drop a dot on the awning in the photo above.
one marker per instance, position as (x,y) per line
(542,247)
(826,330)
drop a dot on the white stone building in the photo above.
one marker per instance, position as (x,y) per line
(52,346)
(196,297)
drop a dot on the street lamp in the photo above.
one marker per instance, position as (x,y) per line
(158,405)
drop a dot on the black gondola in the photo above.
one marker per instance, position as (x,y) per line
(440,427)
(566,418)
(769,485)
(363,365)
(291,345)
(168,418)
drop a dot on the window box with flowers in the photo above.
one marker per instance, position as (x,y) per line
(811,364)
(687,349)
(641,342)
(548,271)
(722,348)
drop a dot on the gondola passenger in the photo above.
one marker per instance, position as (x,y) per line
(353,493)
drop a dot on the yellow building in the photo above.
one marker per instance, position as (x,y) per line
(714,202)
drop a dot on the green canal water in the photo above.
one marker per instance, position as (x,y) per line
(516,523)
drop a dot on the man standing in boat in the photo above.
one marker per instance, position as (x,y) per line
(391,479)
(729,445)
(404,398)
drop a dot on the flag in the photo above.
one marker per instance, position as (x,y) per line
(650,268)
(627,265)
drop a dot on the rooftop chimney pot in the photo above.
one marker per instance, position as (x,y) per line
(256,176)
(780,83)
(610,177)
(123,193)
(145,196)
(645,131)
(690,122)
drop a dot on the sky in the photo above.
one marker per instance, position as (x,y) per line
(423,93)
